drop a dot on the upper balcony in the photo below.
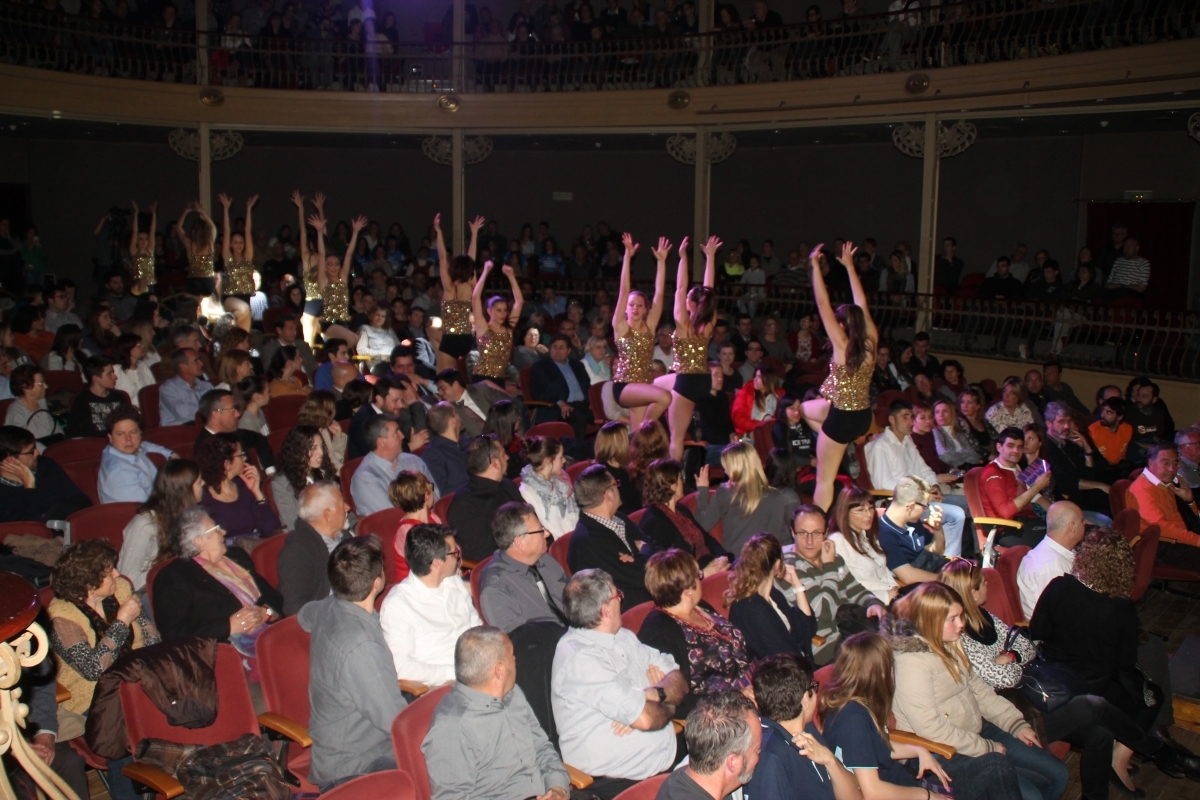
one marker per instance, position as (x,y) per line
(975,56)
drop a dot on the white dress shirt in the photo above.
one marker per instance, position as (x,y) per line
(1041,565)
(891,461)
(422,625)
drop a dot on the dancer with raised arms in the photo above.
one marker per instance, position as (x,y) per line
(237,249)
(334,283)
(311,262)
(200,244)
(141,250)
(457,276)
(634,325)
(495,329)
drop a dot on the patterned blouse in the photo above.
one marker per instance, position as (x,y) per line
(983,646)
(1000,417)
(717,656)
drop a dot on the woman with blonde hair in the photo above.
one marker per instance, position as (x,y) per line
(612,451)
(856,705)
(994,655)
(855,536)
(746,504)
(232,367)
(710,651)
(940,697)
(671,524)
(756,401)
(319,410)
(1013,410)
(546,487)
(760,611)
(412,493)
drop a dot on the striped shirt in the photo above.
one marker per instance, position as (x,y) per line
(1130,271)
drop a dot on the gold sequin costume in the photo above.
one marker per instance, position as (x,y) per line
(337,302)
(691,355)
(495,353)
(143,268)
(456,317)
(635,354)
(312,285)
(849,391)
(239,276)
(200,266)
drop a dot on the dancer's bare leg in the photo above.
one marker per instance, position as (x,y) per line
(815,411)
(829,458)
(644,401)
(343,333)
(311,326)
(679,415)
(446,362)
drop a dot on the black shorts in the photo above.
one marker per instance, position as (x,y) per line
(693,385)
(618,387)
(456,345)
(846,426)
(201,287)
(314,308)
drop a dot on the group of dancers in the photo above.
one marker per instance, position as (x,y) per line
(841,414)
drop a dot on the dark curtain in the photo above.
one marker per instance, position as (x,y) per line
(1164,233)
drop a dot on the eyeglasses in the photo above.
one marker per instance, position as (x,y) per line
(456,553)
(922,505)
(814,687)
(210,530)
(31,451)
(538,532)
(809,534)
(618,596)
(237,455)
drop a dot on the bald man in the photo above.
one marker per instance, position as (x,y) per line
(343,373)
(1053,556)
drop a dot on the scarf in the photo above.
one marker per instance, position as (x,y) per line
(690,531)
(234,578)
(555,493)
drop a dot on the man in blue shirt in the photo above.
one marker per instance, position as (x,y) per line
(335,351)
(795,761)
(913,548)
(563,381)
(126,471)
(179,397)
(369,486)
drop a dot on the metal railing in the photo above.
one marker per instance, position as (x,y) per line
(973,32)
(1126,340)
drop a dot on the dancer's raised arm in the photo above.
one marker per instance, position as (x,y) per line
(179,229)
(248,234)
(318,225)
(682,322)
(473,247)
(481,322)
(356,226)
(153,230)
(133,234)
(856,288)
(710,261)
(226,250)
(660,283)
(443,257)
(620,324)
(824,307)
(514,313)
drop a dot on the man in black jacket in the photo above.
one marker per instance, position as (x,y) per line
(89,412)
(606,539)
(474,505)
(386,398)
(563,381)
(33,487)
(304,560)
(220,414)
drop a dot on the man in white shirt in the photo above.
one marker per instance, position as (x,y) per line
(664,346)
(892,456)
(424,614)
(613,697)
(1018,267)
(1053,556)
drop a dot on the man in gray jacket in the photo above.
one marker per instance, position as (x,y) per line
(352,684)
(484,741)
(522,582)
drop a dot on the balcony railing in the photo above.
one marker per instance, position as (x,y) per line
(974,32)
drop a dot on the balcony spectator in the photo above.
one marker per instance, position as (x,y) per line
(898,278)
(922,360)
(1001,283)
(948,267)
(1130,273)
(1084,288)
(794,273)
(1109,254)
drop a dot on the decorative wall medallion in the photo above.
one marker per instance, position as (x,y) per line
(441,149)
(679,100)
(720,147)
(448,102)
(1194,126)
(212,96)
(952,140)
(222,144)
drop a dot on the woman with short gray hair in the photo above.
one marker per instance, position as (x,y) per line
(208,590)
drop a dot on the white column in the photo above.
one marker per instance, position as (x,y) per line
(205,161)
(929,211)
(458,199)
(703,193)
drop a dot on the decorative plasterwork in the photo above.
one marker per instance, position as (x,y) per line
(222,144)
(952,139)
(441,149)
(720,147)
(1194,126)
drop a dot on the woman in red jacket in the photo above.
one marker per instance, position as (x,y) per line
(756,401)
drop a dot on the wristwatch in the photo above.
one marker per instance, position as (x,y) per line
(662,694)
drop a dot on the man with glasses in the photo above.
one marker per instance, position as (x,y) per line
(33,487)
(179,397)
(369,486)
(220,413)
(606,539)
(1188,442)
(613,697)
(424,614)
(913,546)
(842,606)
(522,582)
(753,361)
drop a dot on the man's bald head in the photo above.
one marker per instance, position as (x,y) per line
(1064,524)
(343,373)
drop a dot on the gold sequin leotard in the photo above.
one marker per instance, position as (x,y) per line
(691,355)
(849,391)
(495,353)
(456,317)
(337,303)
(312,285)
(143,268)
(200,266)
(635,354)
(239,276)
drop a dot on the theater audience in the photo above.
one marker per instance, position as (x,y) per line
(547,488)
(971,411)
(412,493)
(443,455)
(723,739)
(504,420)
(1013,410)
(996,656)
(321,524)
(424,614)
(484,740)
(126,471)
(65,353)
(746,504)
(233,490)
(1005,496)
(369,486)
(854,531)
(1159,496)
(474,506)
(144,539)
(352,687)
(1073,462)
(220,414)
(606,539)
(253,394)
(288,330)
(132,367)
(179,397)
(1053,555)
(912,542)
(714,417)
(670,524)
(522,582)
(320,410)
(613,697)
(1111,433)
(207,589)
(302,462)
(284,370)
(33,487)
(386,398)
(956,447)
(29,410)
(710,651)
(769,623)
(472,402)
(92,406)
(562,381)
(232,367)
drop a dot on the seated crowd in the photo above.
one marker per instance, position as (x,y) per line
(605,599)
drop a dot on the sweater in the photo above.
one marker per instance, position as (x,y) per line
(1156,505)
(771,515)
(765,632)
(827,587)
(245,516)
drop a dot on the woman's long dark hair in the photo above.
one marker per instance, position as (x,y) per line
(293,458)
(706,306)
(172,493)
(854,322)
(502,420)
(852,497)
(282,356)
(67,338)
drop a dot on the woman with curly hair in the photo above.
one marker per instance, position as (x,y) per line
(412,493)
(177,486)
(504,421)
(760,611)
(1087,621)
(253,393)
(649,443)
(233,493)
(710,651)
(234,338)
(320,411)
(546,487)
(284,371)
(855,536)
(232,367)
(671,524)
(302,461)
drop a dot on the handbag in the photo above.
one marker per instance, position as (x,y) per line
(1048,685)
